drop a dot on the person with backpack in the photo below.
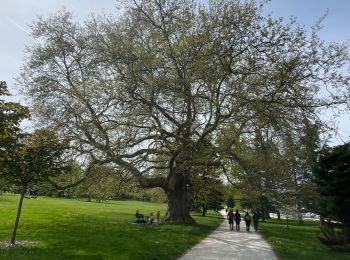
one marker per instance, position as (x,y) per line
(230,217)
(247,220)
(237,219)
(256,220)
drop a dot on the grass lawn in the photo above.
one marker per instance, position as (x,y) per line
(73,229)
(298,241)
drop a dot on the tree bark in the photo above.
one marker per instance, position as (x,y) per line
(178,209)
(178,206)
(13,237)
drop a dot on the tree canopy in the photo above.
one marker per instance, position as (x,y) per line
(11,115)
(152,88)
(332,174)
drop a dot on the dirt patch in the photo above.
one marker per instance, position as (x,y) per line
(25,243)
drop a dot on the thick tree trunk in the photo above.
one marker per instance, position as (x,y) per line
(178,208)
(178,205)
(13,237)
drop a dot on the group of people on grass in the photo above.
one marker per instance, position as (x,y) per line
(236,218)
(150,221)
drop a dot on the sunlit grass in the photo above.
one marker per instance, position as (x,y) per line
(298,241)
(72,229)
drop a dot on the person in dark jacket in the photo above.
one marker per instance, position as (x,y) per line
(256,220)
(238,220)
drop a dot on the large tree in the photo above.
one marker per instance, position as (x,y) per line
(162,79)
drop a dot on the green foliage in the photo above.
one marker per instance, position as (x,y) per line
(165,78)
(230,203)
(274,169)
(332,174)
(103,183)
(72,229)
(206,192)
(34,159)
(11,115)
(298,241)
(331,234)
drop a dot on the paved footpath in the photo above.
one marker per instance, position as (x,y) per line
(224,243)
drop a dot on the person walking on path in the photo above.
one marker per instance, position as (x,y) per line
(247,220)
(230,217)
(256,220)
(237,219)
(223,244)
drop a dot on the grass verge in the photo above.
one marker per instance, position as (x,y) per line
(73,229)
(298,241)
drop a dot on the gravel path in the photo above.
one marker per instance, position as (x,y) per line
(224,243)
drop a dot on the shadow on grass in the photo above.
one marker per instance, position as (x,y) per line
(208,216)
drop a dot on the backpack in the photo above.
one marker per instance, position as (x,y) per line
(248,218)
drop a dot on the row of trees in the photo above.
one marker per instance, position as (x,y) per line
(276,172)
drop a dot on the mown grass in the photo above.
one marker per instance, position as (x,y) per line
(72,229)
(298,241)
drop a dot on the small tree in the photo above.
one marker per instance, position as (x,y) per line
(333,183)
(11,115)
(33,159)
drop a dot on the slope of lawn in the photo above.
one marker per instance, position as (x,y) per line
(298,241)
(73,229)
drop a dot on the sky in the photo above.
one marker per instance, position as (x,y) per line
(16,15)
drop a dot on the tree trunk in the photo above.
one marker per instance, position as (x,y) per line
(13,237)
(178,209)
(204,209)
(300,215)
(178,206)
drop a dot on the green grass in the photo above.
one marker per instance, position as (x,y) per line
(73,229)
(298,241)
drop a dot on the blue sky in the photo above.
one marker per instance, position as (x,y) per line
(15,15)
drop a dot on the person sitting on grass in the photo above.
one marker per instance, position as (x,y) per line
(150,220)
(139,217)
